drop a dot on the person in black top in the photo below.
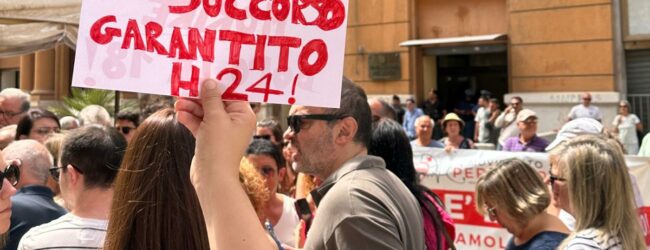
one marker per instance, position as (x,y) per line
(434,109)
(399,111)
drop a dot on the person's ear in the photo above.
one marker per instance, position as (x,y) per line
(348,128)
(282,172)
(73,175)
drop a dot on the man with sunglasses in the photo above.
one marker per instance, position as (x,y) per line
(585,109)
(89,162)
(14,104)
(127,123)
(361,205)
(33,204)
(506,121)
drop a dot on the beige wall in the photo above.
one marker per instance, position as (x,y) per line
(444,18)
(561,45)
(376,26)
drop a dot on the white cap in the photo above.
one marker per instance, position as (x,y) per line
(576,127)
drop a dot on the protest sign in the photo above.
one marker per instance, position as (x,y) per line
(453,177)
(277,51)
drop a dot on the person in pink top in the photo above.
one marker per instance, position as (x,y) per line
(389,141)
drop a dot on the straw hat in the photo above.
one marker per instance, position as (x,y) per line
(452,117)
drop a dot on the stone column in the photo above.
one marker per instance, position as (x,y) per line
(27,73)
(62,71)
(44,75)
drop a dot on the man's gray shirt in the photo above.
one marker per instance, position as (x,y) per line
(365,206)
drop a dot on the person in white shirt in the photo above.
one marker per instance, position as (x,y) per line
(90,159)
(585,109)
(506,121)
(625,125)
(279,209)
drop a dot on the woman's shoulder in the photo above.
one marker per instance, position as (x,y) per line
(592,238)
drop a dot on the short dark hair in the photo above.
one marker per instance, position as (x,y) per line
(518,99)
(97,151)
(275,127)
(129,116)
(266,147)
(410,99)
(396,98)
(25,125)
(354,103)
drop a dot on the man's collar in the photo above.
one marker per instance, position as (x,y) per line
(356,163)
(36,189)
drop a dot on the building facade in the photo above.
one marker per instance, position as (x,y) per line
(546,51)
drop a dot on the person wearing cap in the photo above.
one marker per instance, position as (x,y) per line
(506,121)
(585,109)
(574,128)
(412,113)
(453,125)
(527,140)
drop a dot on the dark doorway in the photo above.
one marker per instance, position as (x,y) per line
(462,78)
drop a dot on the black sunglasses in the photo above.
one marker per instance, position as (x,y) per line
(56,172)
(295,121)
(552,178)
(262,137)
(125,130)
(12,174)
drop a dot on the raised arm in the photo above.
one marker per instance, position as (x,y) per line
(222,130)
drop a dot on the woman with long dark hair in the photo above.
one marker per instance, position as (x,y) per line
(155,205)
(389,141)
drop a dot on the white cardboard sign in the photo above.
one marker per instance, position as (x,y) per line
(276,51)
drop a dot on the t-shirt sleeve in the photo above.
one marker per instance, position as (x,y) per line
(354,233)
(507,145)
(635,119)
(572,113)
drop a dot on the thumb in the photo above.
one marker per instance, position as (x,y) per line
(211,99)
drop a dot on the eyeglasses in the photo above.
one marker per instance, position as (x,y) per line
(125,130)
(491,211)
(11,173)
(56,171)
(552,178)
(515,103)
(47,130)
(623,106)
(295,121)
(262,137)
(10,114)
(267,171)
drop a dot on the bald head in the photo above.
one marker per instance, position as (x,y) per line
(380,109)
(35,161)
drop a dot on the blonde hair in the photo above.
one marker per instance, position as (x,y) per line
(600,190)
(254,186)
(513,187)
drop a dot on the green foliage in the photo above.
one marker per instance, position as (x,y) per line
(83,97)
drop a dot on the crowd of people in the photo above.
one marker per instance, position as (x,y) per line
(208,175)
(513,129)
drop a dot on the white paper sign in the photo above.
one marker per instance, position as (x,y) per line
(276,51)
